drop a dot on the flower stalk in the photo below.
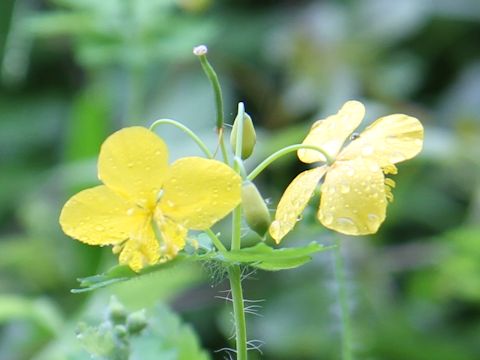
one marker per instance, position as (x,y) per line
(201,52)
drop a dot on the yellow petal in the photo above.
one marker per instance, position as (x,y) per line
(353,199)
(389,140)
(133,163)
(142,249)
(330,133)
(293,201)
(98,216)
(199,192)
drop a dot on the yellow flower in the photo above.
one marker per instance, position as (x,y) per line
(146,206)
(355,190)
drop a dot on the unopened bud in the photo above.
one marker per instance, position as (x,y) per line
(249,137)
(255,210)
(136,322)
(116,311)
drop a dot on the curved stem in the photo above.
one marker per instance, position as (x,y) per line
(342,296)
(282,152)
(185,129)
(213,78)
(216,241)
(201,52)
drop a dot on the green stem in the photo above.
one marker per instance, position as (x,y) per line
(282,152)
(234,272)
(342,296)
(185,129)
(234,275)
(201,53)
(216,241)
(223,148)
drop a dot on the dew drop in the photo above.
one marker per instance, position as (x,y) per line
(344,188)
(327,219)
(367,150)
(99,228)
(130,211)
(373,218)
(396,157)
(275,228)
(331,190)
(354,136)
(350,171)
(130,165)
(347,224)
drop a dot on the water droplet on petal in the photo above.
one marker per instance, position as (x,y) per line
(347,224)
(372,217)
(130,211)
(396,157)
(327,219)
(99,228)
(344,188)
(350,171)
(367,150)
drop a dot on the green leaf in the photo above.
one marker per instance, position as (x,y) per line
(264,257)
(121,273)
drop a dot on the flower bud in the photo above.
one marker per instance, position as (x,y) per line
(136,322)
(249,137)
(116,311)
(255,210)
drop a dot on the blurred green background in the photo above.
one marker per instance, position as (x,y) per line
(73,71)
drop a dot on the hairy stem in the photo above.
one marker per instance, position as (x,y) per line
(234,275)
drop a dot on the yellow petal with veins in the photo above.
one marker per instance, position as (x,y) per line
(98,216)
(330,133)
(293,202)
(389,140)
(199,192)
(353,199)
(134,162)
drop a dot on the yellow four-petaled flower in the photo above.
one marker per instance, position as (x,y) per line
(355,191)
(145,207)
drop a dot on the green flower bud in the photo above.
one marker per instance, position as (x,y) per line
(249,137)
(136,322)
(254,208)
(116,311)
(120,332)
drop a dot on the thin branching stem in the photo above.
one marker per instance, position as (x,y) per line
(186,130)
(216,241)
(282,152)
